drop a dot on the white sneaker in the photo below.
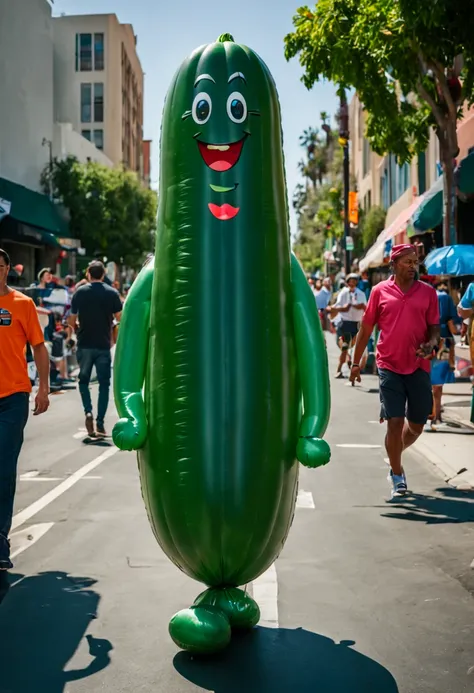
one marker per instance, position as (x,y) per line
(399,485)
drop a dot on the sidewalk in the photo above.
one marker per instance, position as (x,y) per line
(451,450)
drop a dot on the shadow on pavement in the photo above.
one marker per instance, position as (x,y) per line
(450,507)
(282,660)
(43,620)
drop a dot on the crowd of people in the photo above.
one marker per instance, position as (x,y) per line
(411,326)
(82,316)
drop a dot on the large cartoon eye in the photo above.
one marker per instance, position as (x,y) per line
(236,107)
(202,108)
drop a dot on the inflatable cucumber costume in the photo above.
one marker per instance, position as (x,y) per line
(220,344)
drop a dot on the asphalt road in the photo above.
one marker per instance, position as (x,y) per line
(373,597)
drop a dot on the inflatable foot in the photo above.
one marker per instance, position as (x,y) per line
(201,629)
(241,610)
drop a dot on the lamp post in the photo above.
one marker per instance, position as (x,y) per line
(344,142)
(50,145)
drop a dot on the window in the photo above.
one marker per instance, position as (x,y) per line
(365,157)
(98,51)
(99,139)
(86,134)
(86,103)
(98,103)
(83,52)
(403,179)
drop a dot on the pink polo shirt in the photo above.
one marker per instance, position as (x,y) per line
(403,320)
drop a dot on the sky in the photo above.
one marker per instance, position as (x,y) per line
(168,30)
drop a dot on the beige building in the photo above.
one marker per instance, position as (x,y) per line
(98,85)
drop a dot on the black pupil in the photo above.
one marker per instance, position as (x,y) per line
(237,109)
(202,110)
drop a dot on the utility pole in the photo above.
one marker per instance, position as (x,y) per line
(344,142)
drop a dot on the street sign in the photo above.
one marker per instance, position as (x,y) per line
(349,243)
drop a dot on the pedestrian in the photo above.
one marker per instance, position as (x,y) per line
(407,315)
(443,365)
(95,305)
(19,326)
(350,305)
(323,297)
(466,312)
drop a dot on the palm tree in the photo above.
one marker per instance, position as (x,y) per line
(310,140)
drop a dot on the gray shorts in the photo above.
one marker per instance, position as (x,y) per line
(407,396)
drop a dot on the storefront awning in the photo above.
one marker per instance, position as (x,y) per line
(23,233)
(379,252)
(430,212)
(31,208)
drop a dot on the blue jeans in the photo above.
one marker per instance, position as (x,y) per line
(13,418)
(101,359)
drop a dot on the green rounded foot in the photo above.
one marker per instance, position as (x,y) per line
(241,610)
(200,629)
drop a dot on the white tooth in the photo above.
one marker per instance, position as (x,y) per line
(220,147)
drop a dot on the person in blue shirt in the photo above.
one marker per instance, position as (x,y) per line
(443,365)
(466,305)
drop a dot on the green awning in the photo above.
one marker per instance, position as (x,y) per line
(465,175)
(430,212)
(32,208)
(11,230)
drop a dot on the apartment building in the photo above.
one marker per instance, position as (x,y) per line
(400,190)
(30,226)
(98,85)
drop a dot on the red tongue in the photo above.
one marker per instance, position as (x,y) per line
(221,160)
(223,212)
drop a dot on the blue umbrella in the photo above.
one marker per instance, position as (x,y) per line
(452,260)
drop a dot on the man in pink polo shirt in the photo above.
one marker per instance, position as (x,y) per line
(407,314)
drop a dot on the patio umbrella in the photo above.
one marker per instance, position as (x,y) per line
(451,260)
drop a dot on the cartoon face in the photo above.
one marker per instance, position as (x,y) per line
(219,108)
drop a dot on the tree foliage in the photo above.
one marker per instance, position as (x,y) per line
(318,201)
(110,211)
(401,57)
(371,224)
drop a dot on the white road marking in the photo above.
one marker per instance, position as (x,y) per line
(357,445)
(374,422)
(26,514)
(79,435)
(22,540)
(41,478)
(265,593)
(472,565)
(54,478)
(305,500)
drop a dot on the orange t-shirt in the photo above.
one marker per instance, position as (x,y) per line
(19,325)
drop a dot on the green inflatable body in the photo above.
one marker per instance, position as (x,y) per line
(221,375)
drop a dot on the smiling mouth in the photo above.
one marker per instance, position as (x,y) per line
(221,157)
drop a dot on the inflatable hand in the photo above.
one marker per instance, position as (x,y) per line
(313,452)
(130,434)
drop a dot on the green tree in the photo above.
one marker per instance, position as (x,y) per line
(318,206)
(371,224)
(404,59)
(110,211)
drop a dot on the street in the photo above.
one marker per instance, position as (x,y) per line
(368,596)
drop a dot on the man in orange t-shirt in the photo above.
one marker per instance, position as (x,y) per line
(19,325)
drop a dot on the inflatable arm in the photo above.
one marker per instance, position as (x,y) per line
(311,451)
(130,364)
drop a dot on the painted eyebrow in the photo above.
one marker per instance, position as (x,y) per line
(236,75)
(201,77)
